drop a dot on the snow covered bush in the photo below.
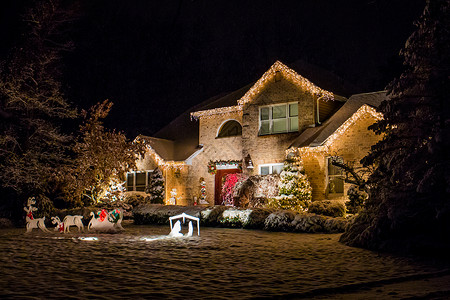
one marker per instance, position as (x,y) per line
(235,217)
(356,198)
(294,189)
(228,188)
(156,187)
(332,208)
(253,191)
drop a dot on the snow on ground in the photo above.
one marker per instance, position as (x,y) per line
(222,263)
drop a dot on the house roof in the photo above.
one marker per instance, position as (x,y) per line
(316,136)
(178,140)
(234,100)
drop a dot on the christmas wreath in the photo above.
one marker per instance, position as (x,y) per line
(212,167)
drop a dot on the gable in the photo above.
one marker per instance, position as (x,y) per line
(278,70)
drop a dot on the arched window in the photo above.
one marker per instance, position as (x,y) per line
(230,128)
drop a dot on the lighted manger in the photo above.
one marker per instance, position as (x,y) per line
(106,222)
(176,228)
(31,221)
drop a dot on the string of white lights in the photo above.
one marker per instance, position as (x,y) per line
(325,147)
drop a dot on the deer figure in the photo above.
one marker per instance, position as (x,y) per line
(31,221)
(59,225)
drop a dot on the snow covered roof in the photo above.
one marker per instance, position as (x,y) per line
(178,141)
(316,136)
(235,100)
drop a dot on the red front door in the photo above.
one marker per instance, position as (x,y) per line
(219,183)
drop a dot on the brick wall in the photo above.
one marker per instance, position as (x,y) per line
(352,146)
(271,148)
(215,149)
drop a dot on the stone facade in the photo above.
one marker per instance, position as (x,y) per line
(352,145)
(274,88)
(271,148)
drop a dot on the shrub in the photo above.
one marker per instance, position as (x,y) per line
(255,190)
(257,218)
(136,200)
(357,198)
(286,202)
(156,187)
(228,188)
(212,216)
(294,188)
(332,208)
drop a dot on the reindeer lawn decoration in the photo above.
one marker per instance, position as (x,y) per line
(31,221)
(67,222)
(59,225)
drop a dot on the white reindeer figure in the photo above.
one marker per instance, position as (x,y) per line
(73,221)
(59,225)
(32,222)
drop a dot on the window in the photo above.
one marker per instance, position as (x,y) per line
(278,118)
(335,177)
(137,181)
(230,128)
(270,169)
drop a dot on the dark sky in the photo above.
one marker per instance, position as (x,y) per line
(155,59)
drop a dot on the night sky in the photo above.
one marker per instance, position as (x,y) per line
(155,59)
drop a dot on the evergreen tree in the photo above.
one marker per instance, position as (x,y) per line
(156,187)
(33,107)
(294,188)
(410,194)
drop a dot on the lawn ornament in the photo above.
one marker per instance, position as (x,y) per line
(103,221)
(173,199)
(191,229)
(73,221)
(59,225)
(31,221)
(175,232)
(175,229)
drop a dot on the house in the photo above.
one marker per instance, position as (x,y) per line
(251,130)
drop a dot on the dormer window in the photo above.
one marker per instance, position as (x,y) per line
(278,118)
(230,128)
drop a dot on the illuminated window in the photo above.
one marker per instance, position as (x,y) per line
(335,177)
(270,169)
(138,181)
(230,128)
(278,118)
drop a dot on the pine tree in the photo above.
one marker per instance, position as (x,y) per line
(156,187)
(294,188)
(410,195)
(33,106)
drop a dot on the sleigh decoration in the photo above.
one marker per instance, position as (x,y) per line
(106,222)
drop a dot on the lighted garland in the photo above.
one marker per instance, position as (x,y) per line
(215,111)
(289,74)
(325,147)
(278,66)
(212,165)
(158,159)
